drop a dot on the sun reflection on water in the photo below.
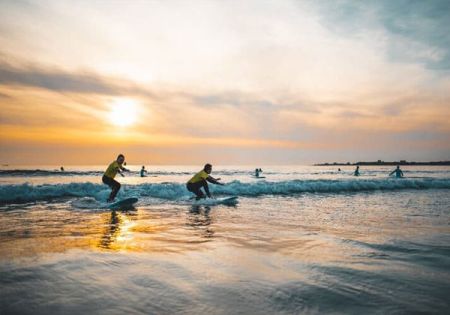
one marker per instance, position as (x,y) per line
(118,231)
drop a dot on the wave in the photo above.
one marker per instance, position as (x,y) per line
(38,172)
(176,191)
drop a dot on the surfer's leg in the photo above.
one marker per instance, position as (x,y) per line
(195,188)
(205,186)
(115,187)
(115,190)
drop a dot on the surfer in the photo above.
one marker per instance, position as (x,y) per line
(356,171)
(398,172)
(143,171)
(200,180)
(111,172)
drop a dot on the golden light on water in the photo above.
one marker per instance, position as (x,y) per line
(124,112)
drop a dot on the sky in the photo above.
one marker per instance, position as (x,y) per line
(225,82)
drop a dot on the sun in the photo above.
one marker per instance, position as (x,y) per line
(123,112)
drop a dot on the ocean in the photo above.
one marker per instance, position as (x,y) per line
(302,240)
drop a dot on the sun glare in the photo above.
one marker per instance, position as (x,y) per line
(123,112)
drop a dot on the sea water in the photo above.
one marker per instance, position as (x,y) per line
(303,240)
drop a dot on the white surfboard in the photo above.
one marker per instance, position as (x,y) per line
(217,201)
(124,203)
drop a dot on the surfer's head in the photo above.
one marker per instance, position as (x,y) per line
(120,158)
(208,168)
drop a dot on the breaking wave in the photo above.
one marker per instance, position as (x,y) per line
(174,191)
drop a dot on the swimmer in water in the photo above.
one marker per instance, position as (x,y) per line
(143,171)
(398,172)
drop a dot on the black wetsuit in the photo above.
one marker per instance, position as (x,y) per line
(196,188)
(115,186)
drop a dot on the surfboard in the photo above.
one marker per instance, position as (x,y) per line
(217,201)
(124,203)
(257,177)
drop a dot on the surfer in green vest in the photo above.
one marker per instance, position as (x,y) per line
(111,172)
(398,172)
(200,180)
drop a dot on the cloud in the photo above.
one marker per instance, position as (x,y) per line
(412,31)
(4,96)
(61,81)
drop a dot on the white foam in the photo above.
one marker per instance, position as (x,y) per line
(176,191)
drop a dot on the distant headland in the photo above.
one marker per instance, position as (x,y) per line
(380,162)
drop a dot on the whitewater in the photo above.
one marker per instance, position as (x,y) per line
(18,193)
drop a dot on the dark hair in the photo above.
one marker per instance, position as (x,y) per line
(120,156)
(207,165)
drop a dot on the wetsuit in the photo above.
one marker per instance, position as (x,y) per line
(108,179)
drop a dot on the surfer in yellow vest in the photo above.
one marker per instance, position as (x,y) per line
(200,180)
(111,172)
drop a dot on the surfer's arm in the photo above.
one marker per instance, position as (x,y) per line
(214,180)
(120,171)
(123,169)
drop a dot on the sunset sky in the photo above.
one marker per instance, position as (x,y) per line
(228,82)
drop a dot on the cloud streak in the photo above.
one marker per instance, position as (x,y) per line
(62,81)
